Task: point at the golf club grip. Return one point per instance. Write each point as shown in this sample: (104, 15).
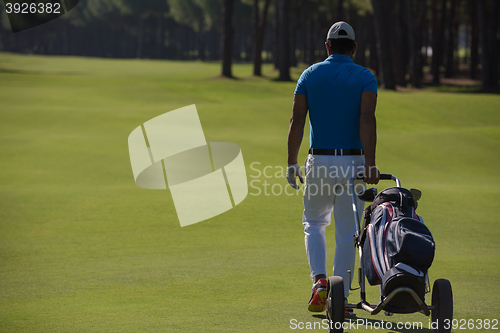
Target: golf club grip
(383, 176)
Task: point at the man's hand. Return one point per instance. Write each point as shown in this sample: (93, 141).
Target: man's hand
(292, 172)
(371, 174)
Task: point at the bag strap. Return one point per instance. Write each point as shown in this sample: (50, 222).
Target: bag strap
(403, 200)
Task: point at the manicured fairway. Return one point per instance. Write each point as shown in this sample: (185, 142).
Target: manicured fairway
(83, 249)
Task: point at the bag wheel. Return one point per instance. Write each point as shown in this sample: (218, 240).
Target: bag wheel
(442, 299)
(335, 309)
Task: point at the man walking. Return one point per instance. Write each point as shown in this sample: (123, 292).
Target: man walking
(341, 98)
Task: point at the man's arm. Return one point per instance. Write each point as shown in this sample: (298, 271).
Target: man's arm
(296, 130)
(368, 133)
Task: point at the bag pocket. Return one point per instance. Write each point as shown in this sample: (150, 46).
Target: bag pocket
(414, 244)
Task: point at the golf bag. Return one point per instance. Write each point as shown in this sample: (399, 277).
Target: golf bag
(398, 248)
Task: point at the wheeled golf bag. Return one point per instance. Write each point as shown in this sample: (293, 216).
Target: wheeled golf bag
(398, 248)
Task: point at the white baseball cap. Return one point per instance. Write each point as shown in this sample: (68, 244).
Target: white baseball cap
(340, 30)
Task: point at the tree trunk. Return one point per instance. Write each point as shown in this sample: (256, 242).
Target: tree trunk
(309, 45)
(255, 31)
(340, 11)
(494, 56)
(483, 43)
(438, 38)
(160, 41)
(373, 61)
(412, 31)
(417, 61)
(404, 44)
(276, 49)
(396, 43)
(486, 68)
(66, 33)
(383, 45)
(426, 41)
(362, 41)
(214, 50)
(201, 38)
(474, 39)
(260, 22)
(452, 32)
(227, 37)
(283, 42)
(293, 20)
(140, 36)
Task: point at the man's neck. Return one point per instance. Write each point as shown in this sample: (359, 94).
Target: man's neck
(330, 54)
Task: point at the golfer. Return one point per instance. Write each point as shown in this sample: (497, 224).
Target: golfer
(341, 98)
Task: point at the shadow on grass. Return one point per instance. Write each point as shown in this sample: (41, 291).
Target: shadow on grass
(248, 78)
(30, 72)
(461, 83)
(222, 77)
(353, 323)
(469, 89)
(277, 79)
(20, 71)
(449, 88)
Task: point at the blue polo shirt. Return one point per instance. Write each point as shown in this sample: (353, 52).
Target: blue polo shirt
(333, 89)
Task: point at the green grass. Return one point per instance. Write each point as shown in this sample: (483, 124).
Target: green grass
(83, 249)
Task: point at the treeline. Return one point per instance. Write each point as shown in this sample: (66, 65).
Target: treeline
(402, 41)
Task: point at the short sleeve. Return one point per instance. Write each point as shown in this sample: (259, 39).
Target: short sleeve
(301, 83)
(370, 82)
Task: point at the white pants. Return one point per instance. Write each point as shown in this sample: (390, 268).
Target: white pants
(327, 190)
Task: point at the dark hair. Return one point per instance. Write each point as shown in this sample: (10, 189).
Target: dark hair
(340, 46)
